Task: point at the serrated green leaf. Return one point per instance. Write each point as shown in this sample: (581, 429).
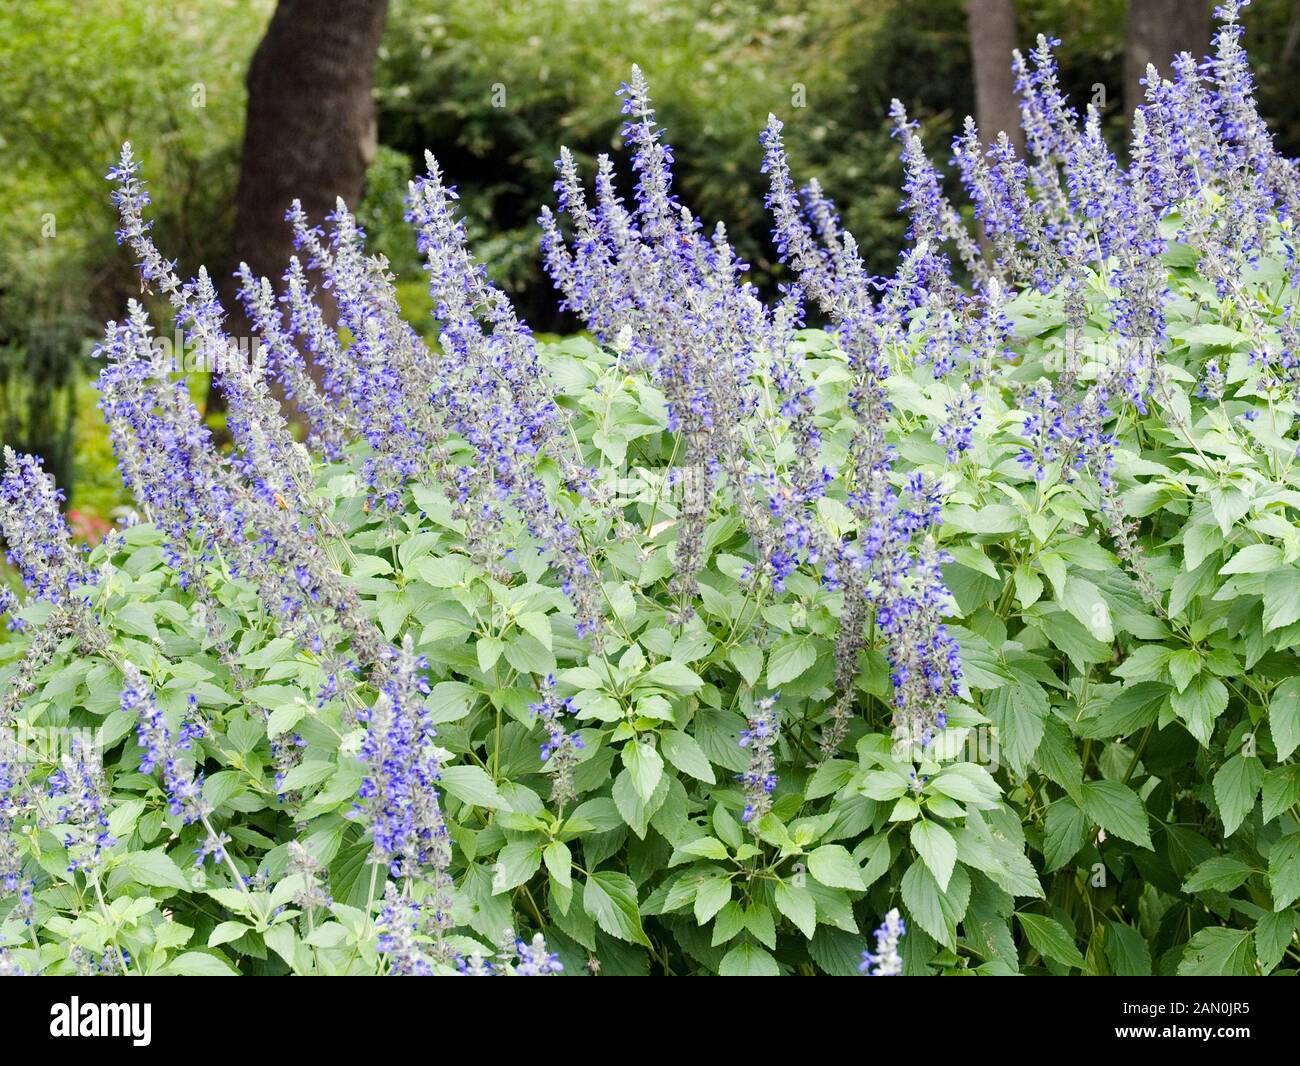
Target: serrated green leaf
(791, 657)
(1127, 951)
(937, 848)
(1281, 599)
(1284, 871)
(1219, 952)
(610, 899)
(1222, 873)
(748, 960)
(1236, 787)
(685, 753)
(935, 911)
(645, 765)
(834, 867)
(1284, 717)
(1117, 809)
(1050, 939)
(712, 895)
(199, 964)
(797, 904)
(748, 662)
(515, 865)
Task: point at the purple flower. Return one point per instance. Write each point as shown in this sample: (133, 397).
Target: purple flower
(759, 778)
(885, 961)
(560, 747)
(166, 750)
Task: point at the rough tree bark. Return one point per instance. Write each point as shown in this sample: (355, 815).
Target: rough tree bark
(310, 129)
(1157, 31)
(992, 40)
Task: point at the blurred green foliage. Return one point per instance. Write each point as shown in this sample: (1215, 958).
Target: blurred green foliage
(79, 79)
(495, 94)
(81, 76)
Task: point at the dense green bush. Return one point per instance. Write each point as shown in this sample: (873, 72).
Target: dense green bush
(978, 612)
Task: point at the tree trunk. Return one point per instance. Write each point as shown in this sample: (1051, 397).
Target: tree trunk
(310, 131)
(992, 40)
(1157, 31)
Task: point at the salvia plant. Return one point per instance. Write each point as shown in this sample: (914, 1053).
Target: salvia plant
(707, 641)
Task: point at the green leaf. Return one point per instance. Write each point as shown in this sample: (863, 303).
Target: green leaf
(199, 964)
(226, 932)
(705, 848)
(791, 657)
(797, 904)
(1236, 787)
(645, 765)
(538, 624)
(935, 911)
(528, 655)
(559, 862)
(759, 921)
(748, 960)
(1281, 599)
(285, 717)
(441, 571)
(748, 661)
(450, 701)
(1284, 871)
(1281, 789)
(471, 785)
(516, 863)
(834, 867)
(1134, 708)
(489, 650)
(829, 778)
(728, 924)
(836, 952)
(1204, 699)
(1065, 834)
(1228, 504)
(1183, 666)
(1069, 634)
(1058, 756)
(937, 848)
(1083, 600)
(610, 899)
(1219, 952)
(1284, 717)
(1222, 873)
(726, 827)
(306, 774)
(1117, 809)
(685, 753)
(967, 783)
(1029, 586)
(1050, 940)
(1213, 334)
(1019, 711)
(1254, 559)
(1273, 936)
(137, 619)
(713, 894)
(672, 675)
(635, 811)
(1127, 951)
(154, 868)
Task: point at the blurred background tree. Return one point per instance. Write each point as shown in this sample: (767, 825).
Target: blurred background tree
(79, 79)
(1157, 31)
(310, 132)
(493, 90)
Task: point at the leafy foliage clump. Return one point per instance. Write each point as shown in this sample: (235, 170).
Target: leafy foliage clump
(706, 643)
